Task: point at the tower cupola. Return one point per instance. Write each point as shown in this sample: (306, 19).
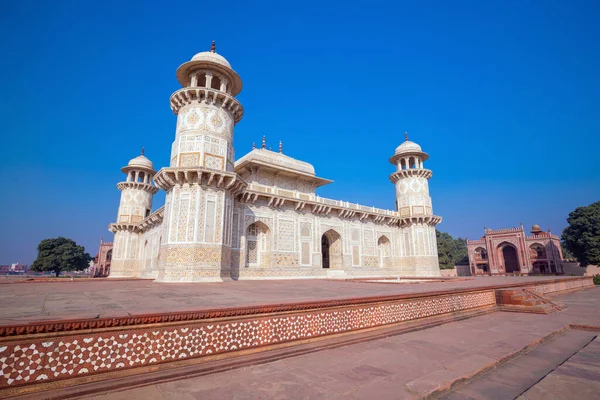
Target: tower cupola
(411, 180)
(210, 70)
(137, 190)
(408, 155)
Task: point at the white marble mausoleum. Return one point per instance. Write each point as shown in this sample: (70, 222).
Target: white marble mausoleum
(259, 217)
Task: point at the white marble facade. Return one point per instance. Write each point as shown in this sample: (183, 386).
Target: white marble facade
(259, 217)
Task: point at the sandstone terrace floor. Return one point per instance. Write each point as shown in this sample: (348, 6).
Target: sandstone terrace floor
(28, 302)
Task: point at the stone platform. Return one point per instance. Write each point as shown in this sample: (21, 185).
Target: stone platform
(494, 356)
(55, 335)
(24, 302)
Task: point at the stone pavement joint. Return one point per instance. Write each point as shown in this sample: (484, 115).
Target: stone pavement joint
(513, 377)
(577, 378)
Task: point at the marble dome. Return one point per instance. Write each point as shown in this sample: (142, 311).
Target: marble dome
(408, 147)
(211, 57)
(141, 161)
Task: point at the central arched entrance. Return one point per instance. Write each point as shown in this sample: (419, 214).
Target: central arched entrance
(331, 250)
(511, 259)
(325, 251)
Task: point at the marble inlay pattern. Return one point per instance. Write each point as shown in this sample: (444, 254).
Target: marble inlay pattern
(26, 360)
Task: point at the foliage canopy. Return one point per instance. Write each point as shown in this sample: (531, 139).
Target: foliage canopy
(451, 251)
(60, 254)
(582, 236)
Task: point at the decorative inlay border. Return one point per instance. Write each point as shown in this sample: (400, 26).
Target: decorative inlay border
(28, 360)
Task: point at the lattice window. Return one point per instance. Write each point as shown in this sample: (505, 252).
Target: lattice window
(286, 235)
(227, 233)
(305, 254)
(305, 229)
(131, 249)
(209, 221)
(420, 242)
(355, 255)
(369, 241)
(119, 247)
(235, 233)
(184, 206)
(174, 218)
(252, 252)
(191, 223)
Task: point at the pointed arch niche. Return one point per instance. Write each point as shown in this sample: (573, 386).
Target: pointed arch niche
(384, 251)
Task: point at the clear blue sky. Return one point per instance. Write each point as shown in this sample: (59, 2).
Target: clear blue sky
(504, 96)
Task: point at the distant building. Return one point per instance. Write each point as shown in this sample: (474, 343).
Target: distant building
(13, 269)
(18, 268)
(511, 251)
(101, 263)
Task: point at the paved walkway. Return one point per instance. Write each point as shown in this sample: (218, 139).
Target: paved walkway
(578, 378)
(407, 366)
(519, 375)
(26, 302)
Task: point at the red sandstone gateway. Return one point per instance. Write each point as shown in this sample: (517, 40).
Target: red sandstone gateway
(510, 251)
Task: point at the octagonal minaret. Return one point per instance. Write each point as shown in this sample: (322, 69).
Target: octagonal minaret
(136, 204)
(413, 204)
(200, 182)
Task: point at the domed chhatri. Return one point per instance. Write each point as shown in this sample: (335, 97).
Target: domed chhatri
(140, 162)
(211, 57)
(208, 63)
(406, 149)
(536, 229)
(411, 180)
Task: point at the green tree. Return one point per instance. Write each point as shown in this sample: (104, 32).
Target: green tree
(451, 251)
(60, 254)
(582, 236)
(565, 252)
